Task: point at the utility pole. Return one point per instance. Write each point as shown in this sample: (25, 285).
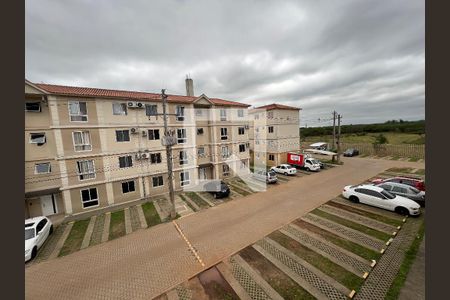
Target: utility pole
(168, 141)
(334, 129)
(339, 139)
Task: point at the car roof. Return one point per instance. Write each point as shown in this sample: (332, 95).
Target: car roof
(397, 184)
(370, 187)
(33, 221)
(287, 165)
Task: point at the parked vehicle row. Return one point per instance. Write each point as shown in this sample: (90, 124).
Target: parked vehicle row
(411, 181)
(37, 230)
(304, 161)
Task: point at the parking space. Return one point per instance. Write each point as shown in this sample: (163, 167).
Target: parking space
(340, 250)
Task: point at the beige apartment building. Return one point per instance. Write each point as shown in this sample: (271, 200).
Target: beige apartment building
(274, 131)
(88, 148)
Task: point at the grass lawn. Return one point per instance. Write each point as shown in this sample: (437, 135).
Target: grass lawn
(392, 137)
(414, 159)
(150, 213)
(400, 170)
(330, 268)
(283, 284)
(364, 213)
(367, 230)
(117, 225)
(364, 252)
(420, 172)
(408, 260)
(184, 198)
(239, 191)
(75, 238)
(196, 198)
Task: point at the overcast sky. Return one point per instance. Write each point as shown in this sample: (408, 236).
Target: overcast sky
(364, 59)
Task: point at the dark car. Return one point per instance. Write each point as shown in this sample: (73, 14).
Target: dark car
(351, 152)
(411, 181)
(405, 191)
(218, 189)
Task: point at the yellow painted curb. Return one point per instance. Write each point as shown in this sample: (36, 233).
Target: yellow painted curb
(365, 275)
(404, 220)
(382, 251)
(394, 233)
(352, 294)
(374, 262)
(398, 227)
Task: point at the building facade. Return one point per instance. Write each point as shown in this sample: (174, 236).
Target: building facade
(88, 149)
(274, 131)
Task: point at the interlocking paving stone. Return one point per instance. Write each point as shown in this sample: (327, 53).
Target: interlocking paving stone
(105, 233)
(97, 232)
(183, 292)
(88, 234)
(135, 220)
(334, 253)
(380, 279)
(311, 275)
(368, 208)
(172, 295)
(359, 219)
(246, 281)
(224, 269)
(61, 241)
(345, 232)
(254, 274)
(127, 214)
(49, 246)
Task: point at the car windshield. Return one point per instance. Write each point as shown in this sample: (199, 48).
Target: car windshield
(314, 161)
(387, 194)
(271, 173)
(29, 233)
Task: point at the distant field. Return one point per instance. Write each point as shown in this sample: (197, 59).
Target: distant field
(393, 138)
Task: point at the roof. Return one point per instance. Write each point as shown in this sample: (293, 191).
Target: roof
(128, 95)
(277, 106)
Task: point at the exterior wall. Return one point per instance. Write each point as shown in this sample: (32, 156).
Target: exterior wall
(75, 195)
(120, 197)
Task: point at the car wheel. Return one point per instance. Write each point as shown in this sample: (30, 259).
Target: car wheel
(33, 252)
(51, 229)
(215, 196)
(354, 199)
(308, 169)
(401, 210)
(285, 173)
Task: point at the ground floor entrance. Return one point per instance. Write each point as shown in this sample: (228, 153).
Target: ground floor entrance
(48, 204)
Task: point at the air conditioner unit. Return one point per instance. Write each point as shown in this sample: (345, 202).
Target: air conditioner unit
(247, 127)
(144, 133)
(139, 105)
(133, 130)
(137, 156)
(145, 155)
(132, 104)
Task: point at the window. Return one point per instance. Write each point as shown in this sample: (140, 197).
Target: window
(122, 135)
(42, 168)
(386, 187)
(33, 107)
(158, 181)
(241, 130)
(223, 134)
(199, 131)
(125, 161)
(271, 157)
(256, 142)
(225, 170)
(240, 113)
(242, 148)
(225, 152)
(81, 141)
(183, 157)
(153, 134)
(199, 112)
(223, 114)
(155, 158)
(398, 189)
(184, 178)
(180, 113)
(151, 109)
(119, 109)
(270, 115)
(86, 169)
(201, 151)
(41, 225)
(181, 134)
(89, 197)
(128, 187)
(37, 138)
(270, 129)
(78, 111)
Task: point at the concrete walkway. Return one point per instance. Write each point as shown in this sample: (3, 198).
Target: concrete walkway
(149, 262)
(414, 287)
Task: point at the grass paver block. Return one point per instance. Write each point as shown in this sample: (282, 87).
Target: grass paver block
(117, 225)
(150, 213)
(75, 238)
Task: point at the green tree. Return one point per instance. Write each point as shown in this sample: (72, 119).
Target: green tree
(380, 139)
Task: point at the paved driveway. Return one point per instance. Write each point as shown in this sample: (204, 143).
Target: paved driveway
(146, 263)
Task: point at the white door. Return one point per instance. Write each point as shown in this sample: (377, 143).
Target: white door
(48, 205)
(202, 173)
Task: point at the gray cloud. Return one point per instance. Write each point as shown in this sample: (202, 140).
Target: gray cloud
(362, 58)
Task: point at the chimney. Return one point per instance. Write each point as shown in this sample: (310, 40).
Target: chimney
(189, 86)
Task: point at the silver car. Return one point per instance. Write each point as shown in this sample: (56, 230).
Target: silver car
(405, 191)
(267, 176)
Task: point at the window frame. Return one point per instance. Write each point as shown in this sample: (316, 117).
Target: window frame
(239, 130)
(79, 174)
(272, 156)
(78, 115)
(158, 177)
(153, 134)
(46, 163)
(185, 182)
(223, 137)
(183, 159)
(200, 131)
(180, 113)
(82, 137)
(203, 152)
(225, 170)
(122, 134)
(240, 113)
(33, 102)
(38, 133)
(122, 105)
(155, 155)
(223, 152)
(241, 151)
(90, 200)
(147, 106)
(223, 117)
(128, 186)
(125, 157)
(270, 129)
(182, 140)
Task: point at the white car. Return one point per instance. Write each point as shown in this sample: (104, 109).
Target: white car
(37, 231)
(377, 196)
(284, 169)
